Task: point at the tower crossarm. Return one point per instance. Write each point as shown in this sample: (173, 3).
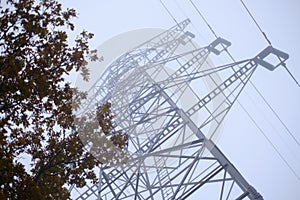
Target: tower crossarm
(164, 37)
(146, 57)
(186, 72)
(193, 65)
(241, 76)
(166, 40)
(233, 85)
(153, 50)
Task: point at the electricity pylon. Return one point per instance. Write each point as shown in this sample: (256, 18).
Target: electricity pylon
(172, 150)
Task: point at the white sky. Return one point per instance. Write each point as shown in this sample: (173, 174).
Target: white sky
(241, 141)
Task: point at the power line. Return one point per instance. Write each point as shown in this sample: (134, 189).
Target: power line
(256, 89)
(263, 33)
(193, 25)
(168, 11)
(270, 142)
(260, 94)
(203, 18)
(267, 39)
(284, 65)
(277, 116)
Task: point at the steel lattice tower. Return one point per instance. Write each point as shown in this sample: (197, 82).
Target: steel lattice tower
(172, 150)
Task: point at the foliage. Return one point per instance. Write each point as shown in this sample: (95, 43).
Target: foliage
(105, 119)
(100, 136)
(36, 103)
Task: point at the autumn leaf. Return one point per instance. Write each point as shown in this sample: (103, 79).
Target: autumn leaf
(37, 105)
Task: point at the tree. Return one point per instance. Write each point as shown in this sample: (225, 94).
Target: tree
(36, 103)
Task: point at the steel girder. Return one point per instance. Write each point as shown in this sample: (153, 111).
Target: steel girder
(171, 155)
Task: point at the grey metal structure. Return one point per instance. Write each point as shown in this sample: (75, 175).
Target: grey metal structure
(173, 155)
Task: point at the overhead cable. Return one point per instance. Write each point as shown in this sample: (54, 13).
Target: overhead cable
(262, 32)
(255, 88)
(165, 7)
(260, 94)
(267, 39)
